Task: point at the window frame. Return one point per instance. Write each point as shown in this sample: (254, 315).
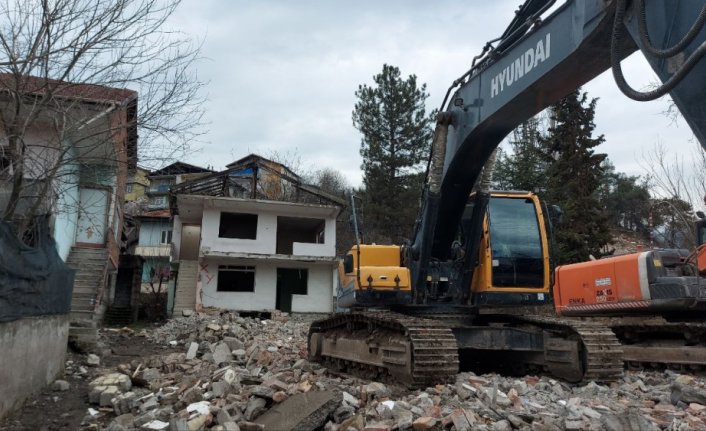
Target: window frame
(244, 269)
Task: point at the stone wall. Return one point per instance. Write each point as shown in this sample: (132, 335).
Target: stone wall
(32, 355)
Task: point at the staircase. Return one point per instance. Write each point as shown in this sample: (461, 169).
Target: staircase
(89, 264)
(185, 295)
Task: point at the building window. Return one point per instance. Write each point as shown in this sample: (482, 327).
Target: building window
(128, 188)
(236, 278)
(298, 229)
(166, 236)
(159, 201)
(237, 225)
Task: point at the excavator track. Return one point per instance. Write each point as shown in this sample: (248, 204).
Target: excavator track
(655, 342)
(388, 346)
(602, 355)
(420, 352)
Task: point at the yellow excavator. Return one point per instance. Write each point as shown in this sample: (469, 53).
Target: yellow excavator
(474, 285)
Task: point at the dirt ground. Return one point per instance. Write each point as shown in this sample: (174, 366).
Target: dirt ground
(64, 411)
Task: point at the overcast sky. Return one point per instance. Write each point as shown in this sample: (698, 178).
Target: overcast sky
(282, 75)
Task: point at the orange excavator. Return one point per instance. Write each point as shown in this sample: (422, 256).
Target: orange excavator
(474, 284)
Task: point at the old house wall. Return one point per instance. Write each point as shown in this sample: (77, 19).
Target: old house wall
(266, 237)
(33, 351)
(318, 298)
(265, 242)
(66, 215)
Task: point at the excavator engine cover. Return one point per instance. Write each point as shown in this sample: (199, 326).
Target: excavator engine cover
(639, 283)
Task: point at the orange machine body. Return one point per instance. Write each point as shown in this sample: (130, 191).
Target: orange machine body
(603, 284)
(701, 259)
(654, 281)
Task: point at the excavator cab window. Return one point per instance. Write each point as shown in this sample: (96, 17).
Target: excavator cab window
(516, 243)
(348, 264)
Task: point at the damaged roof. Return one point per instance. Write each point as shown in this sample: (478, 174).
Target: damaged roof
(257, 178)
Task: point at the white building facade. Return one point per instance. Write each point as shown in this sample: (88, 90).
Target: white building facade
(254, 255)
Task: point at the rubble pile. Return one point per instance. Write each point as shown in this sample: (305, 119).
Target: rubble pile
(237, 373)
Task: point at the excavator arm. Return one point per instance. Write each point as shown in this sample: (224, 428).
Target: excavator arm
(450, 297)
(535, 63)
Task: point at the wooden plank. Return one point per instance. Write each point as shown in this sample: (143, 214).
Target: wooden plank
(665, 354)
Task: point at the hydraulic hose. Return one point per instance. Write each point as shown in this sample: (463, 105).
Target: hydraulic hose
(668, 52)
(618, 27)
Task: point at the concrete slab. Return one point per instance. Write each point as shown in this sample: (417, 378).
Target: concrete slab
(301, 412)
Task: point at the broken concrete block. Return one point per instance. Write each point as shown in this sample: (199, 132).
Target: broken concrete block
(344, 412)
(155, 425)
(377, 390)
(230, 377)
(93, 360)
(149, 404)
(275, 384)
(123, 404)
(231, 426)
(279, 396)
(223, 416)
(304, 386)
(262, 392)
(127, 420)
(192, 395)
(106, 397)
(201, 407)
(150, 374)
(113, 379)
(255, 407)
(221, 354)
(301, 412)
(350, 399)
(424, 423)
(60, 385)
(193, 349)
(233, 343)
(178, 423)
(94, 396)
(251, 426)
(219, 389)
(197, 423)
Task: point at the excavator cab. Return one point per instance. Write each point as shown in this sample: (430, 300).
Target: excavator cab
(513, 265)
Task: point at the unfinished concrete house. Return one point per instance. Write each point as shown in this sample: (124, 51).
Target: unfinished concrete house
(253, 237)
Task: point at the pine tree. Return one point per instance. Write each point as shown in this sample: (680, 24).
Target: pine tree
(397, 132)
(574, 176)
(524, 167)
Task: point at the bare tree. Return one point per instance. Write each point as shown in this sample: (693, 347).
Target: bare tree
(62, 63)
(677, 178)
(331, 181)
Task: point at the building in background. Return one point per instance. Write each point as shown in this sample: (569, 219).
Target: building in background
(137, 185)
(254, 237)
(154, 246)
(162, 179)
